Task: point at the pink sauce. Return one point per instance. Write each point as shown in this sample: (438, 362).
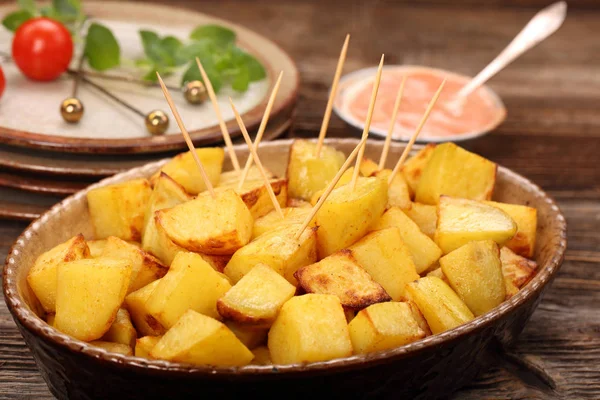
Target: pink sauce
(479, 111)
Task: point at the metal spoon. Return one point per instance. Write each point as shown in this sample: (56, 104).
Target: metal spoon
(542, 25)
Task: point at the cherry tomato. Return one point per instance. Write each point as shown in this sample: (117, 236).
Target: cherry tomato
(42, 48)
(2, 82)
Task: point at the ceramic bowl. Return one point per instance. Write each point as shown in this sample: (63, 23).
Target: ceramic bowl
(427, 369)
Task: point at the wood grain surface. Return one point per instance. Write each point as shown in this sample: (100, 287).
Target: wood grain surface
(551, 135)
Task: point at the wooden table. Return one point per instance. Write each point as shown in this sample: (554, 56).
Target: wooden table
(551, 135)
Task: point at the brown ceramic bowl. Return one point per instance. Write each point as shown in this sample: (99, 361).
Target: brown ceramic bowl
(430, 368)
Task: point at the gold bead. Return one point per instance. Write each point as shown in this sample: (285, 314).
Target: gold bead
(195, 92)
(157, 122)
(71, 109)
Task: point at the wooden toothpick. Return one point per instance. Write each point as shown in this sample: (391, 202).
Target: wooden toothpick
(365, 133)
(412, 140)
(332, 94)
(258, 162)
(388, 138)
(186, 136)
(330, 187)
(261, 130)
(224, 131)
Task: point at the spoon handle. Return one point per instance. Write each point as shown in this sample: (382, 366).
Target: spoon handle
(542, 25)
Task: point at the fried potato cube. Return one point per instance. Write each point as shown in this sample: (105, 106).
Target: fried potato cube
(191, 283)
(517, 270)
(113, 347)
(384, 326)
(340, 274)
(398, 190)
(439, 304)
(423, 250)
(121, 330)
(344, 179)
(347, 215)
(50, 319)
(387, 259)
(298, 203)
(414, 166)
(183, 169)
(256, 298)
(166, 194)
(461, 221)
(438, 273)
(250, 336)
(96, 247)
(218, 225)
(42, 276)
(201, 340)
(456, 172)
(262, 356)
(136, 304)
(368, 167)
(145, 267)
(474, 271)
(118, 209)
(272, 220)
(523, 243)
(307, 174)
(310, 328)
(233, 176)
(255, 195)
(89, 293)
(158, 243)
(418, 316)
(279, 249)
(144, 345)
(425, 216)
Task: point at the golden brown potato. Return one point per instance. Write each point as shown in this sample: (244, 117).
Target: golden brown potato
(438, 273)
(89, 293)
(233, 176)
(218, 225)
(250, 336)
(461, 221)
(310, 328)
(344, 179)
(340, 274)
(398, 190)
(121, 330)
(387, 259)
(347, 214)
(439, 304)
(272, 221)
(456, 172)
(201, 340)
(118, 209)
(425, 216)
(368, 167)
(299, 203)
(474, 271)
(257, 297)
(307, 174)
(144, 345)
(166, 194)
(42, 276)
(414, 166)
(523, 243)
(422, 249)
(418, 316)
(50, 319)
(96, 247)
(183, 169)
(279, 249)
(145, 267)
(384, 326)
(255, 195)
(113, 347)
(136, 304)
(190, 284)
(158, 243)
(261, 356)
(517, 270)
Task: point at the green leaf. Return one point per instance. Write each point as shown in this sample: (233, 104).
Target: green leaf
(13, 20)
(101, 48)
(67, 7)
(201, 49)
(171, 45)
(156, 50)
(241, 80)
(216, 33)
(193, 74)
(256, 71)
(27, 5)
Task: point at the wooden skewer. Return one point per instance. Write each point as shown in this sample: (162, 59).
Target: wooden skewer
(224, 131)
(186, 136)
(367, 127)
(388, 138)
(330, 187)
(261, 130)
(332, 94)
(258, 162)
(412, 140)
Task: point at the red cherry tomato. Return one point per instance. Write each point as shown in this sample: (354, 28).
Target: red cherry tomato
(42, 49)
(2, 82)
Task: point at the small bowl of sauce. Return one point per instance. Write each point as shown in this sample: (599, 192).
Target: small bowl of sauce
(480, 113)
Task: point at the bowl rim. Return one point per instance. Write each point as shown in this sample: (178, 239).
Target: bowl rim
(30, 321)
